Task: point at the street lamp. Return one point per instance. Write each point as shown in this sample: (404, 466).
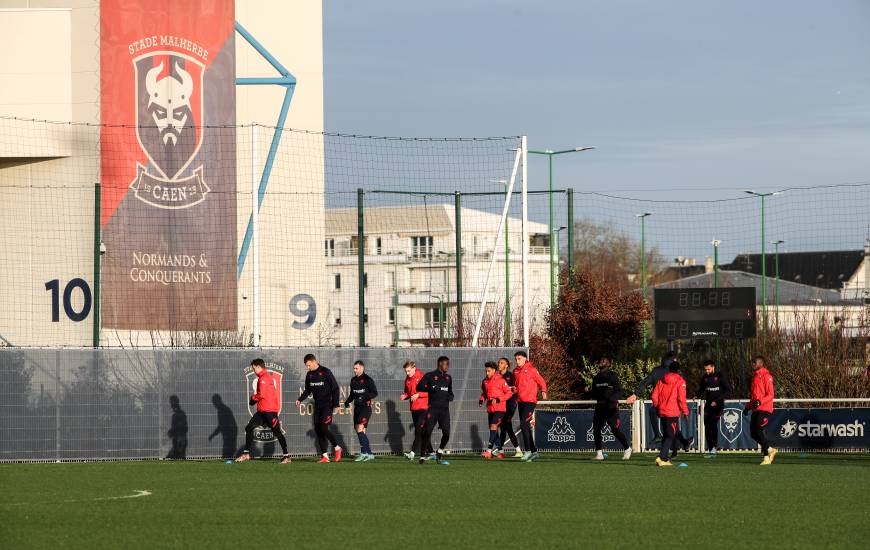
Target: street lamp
(507, 272)
(776, 244)
(715, 243)
(763, 255)
(550, 154)
(643, 218)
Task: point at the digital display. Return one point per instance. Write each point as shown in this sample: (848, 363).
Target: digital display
(691, 313)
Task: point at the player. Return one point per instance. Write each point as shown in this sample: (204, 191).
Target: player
(507, 428)
(268, 401)
(650, 381)
(606, 390)
(321, 384)
(527, 380)
(495, 392)
(761, 406)
(439, 385)
(362, 391)
(714, 390)
(419, 401)
(669, 398)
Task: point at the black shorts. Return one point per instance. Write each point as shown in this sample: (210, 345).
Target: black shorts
(714, 412)
(419, 418)
(322, 415)
(361, 414)
(495, 417)
(439, 417)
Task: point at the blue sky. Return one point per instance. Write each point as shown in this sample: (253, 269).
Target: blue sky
(684, 99)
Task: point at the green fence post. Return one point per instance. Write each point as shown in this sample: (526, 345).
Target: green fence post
(361, 267)
(96, 309)
(457, 205)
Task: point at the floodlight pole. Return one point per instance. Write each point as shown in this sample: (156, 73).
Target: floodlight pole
(716, 243)
(643, 218)
(360, 254)
(776, 244)
(570, 224)
(550, 154)
(763, 257)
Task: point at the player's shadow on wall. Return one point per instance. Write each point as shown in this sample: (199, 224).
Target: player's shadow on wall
(476, 441)
(395, 429)
(227, 428)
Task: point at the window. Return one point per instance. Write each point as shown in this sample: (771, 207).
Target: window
(329, 248)
(337, 282)
(378, 243)
(366, 316)
(421, 247)
(336, 317)
(433, 317)
(391, 316)
(354, 244)
(390, 280)
(365, 280)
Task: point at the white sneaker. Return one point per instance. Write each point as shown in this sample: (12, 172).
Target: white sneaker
(410, 455)
(626, 454)
(518, 454)
(598, 455)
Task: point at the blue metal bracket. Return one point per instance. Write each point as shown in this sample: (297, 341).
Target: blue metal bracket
(289, 83)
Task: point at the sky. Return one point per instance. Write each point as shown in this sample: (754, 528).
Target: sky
(684, 100)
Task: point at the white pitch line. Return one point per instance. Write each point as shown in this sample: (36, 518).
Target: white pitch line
(137, 493)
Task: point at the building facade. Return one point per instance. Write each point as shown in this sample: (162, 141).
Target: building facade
(410, 283)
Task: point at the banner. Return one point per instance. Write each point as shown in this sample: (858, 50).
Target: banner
(802, 429)
(571, 430)
(168, 162)
(689, 430)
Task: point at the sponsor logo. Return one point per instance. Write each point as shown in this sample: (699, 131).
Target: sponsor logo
(169, 129)
(788, 429)
(813, 429)
(730, 424)
(606, 434)
(264, 433)
(561, 431)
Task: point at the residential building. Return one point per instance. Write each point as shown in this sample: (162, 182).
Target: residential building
(410, 273)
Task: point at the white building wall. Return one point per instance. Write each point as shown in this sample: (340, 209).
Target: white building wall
(50, 70)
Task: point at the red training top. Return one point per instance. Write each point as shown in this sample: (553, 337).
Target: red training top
(422, 402)
(496, 392)
(527, 379)
(762, 390)
(669, 396)
(267, 397)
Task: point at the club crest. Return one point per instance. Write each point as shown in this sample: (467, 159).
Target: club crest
(730, 424)
(169, 129)
(261, 433)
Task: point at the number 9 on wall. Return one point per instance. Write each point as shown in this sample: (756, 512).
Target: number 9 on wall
(303, 307)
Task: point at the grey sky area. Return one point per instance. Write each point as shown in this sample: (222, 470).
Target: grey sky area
(685, 100)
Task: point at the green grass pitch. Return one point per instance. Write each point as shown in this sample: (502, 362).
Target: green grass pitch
(561, 501)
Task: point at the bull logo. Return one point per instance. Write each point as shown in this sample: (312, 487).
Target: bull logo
(731, 425)
(169, 129)
(261, 433)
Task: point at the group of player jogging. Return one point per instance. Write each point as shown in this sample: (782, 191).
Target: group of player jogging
(504, 393)
(669, 404)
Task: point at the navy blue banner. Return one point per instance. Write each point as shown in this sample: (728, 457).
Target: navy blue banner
(804, 429)
(571, 430)
(689, 430)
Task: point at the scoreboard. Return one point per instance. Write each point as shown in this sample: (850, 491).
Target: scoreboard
(688, 313)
